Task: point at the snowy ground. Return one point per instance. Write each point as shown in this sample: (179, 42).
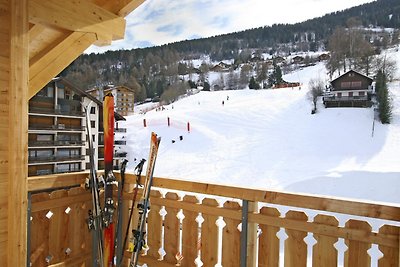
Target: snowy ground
(268, 139)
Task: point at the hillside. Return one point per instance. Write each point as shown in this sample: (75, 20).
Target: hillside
(149, 71)
(268, 139)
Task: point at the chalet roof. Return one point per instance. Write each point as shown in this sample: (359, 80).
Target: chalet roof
(353, 71)
(81, 92)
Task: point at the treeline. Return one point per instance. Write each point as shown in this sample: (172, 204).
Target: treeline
(150, 71)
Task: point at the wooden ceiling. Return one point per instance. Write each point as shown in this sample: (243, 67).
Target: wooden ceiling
(60, 31)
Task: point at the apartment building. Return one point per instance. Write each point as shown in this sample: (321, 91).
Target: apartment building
(123, 97)
(57, 130)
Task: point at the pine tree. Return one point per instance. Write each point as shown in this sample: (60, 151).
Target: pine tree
(384, 104)
(253, 84)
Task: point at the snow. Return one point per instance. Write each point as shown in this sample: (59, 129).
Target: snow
(268, 139)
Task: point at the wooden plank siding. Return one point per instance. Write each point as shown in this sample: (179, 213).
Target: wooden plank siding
(18, 131)
(4, 120)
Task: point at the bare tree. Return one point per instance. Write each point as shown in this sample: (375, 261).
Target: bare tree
(387, 65)
(316, 87)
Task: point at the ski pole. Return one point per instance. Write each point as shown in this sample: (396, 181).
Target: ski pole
(138, 169)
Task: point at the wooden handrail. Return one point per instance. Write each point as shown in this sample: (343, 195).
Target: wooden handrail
(386, 211)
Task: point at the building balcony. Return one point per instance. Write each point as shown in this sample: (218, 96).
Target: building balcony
(55, 143)
(307, 225)
(119, 142)
(347, 101)
(120, 154)
(120, 130)
(55, 111)
(58, 127)
(344, 98)
(50, 171)
(54, 158)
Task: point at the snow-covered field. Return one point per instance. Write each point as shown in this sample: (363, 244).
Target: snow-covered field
(268, 139)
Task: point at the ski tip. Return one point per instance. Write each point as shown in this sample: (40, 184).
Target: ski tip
(155, 139)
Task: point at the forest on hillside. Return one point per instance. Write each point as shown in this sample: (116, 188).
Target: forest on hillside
(151, 71)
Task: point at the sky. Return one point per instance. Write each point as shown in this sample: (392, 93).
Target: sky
(158, 22)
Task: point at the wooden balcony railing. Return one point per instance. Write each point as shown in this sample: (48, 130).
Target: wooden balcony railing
(200, 222)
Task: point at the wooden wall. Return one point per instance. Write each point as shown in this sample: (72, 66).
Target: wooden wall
(4, 86)
(30, 55)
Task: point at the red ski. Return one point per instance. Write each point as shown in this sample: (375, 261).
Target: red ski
(109, 179)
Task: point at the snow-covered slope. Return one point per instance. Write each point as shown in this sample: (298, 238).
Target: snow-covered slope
(268, 139)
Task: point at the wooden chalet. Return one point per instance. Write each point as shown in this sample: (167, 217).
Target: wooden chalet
(324, 57)
(220, 67)
(297, 59)
(43, 218)
(352, 89)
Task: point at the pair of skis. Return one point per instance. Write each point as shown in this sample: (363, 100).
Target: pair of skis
(142, 207)
(98, 219)
(102, 219)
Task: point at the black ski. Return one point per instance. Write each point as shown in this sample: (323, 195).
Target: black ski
(118, 235)
(144, 203)
(95, 220)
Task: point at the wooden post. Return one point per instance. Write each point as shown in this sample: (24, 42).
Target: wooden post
(18, 132)
(252, 237)
(144, 123)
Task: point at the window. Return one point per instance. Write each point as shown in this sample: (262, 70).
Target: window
(356, 84)
(339, 95)
(361, 93)
(44, 137)
(60, 93)
(93, 124)
(93, 110)
(345, 84)
(67, 94)
(350, 94)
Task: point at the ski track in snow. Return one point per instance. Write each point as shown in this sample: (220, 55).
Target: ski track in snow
(268, 139)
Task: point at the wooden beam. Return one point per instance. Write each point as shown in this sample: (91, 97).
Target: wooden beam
(18, 131)
(43, 69)
(387, 211)
(121, 7)
(79, 16)
(38, 183)
(35, 30)
(129, 7)
(332, 204)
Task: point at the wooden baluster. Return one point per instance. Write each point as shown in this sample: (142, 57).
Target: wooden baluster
(295, 247)
(252, 233)
(324, 252)
(189, 234)
(390, 255)
(268, 255)
(154, 227)
(231, 238)
(209, 235)
(58, 233)
(171, 231)
(126, 208)
(39, 232)
(76, 219)
(86, 235)
(357, 252)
